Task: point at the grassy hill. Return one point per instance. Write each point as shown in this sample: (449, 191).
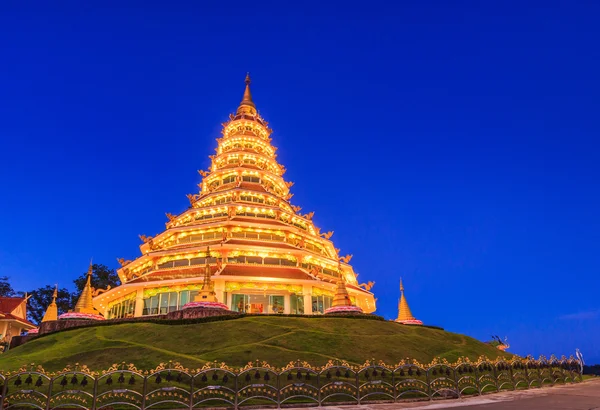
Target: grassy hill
(278, 340)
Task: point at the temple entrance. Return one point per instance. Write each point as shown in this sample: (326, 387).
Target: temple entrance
(257, 304)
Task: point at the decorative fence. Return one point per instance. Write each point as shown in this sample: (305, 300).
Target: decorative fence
(171, 386)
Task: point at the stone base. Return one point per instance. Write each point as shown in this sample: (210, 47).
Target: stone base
(194, 312)
(409, 322)
(80, 316)
(206, 305)
(344, 310)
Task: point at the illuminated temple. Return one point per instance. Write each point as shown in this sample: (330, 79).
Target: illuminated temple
(265, 256)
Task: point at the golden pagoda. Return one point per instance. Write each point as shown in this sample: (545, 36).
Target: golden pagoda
(206, 297)
(84, 308)
(341, 301)
(404, 314)
(265, 255)
(52, 310)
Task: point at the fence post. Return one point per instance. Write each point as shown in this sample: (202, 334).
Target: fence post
(95, 393)
(50, 385)
(456, 381)
(191, 391)
(4, 389)
(395, 390)
(358, 387)
(477, 381)
(429, 393)
(235, 387)
(144, 391)
(319, 388)
(278, 390)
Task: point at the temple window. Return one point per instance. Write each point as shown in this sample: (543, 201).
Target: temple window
(251, 178)
(162, 303)
(321, 303)
(258, 304)
(123, 309)
(252, 198)
(210, 216)
(224, 200)
(296, 304)
(229, 179)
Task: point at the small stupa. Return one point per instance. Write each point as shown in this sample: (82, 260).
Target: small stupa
(84, 308)
(52, 310)
(341, 301)
(404, 314)
(207, 297)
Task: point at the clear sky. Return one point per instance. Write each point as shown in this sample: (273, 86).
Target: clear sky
(455, 146)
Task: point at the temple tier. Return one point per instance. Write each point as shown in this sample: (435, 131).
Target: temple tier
(264, 257)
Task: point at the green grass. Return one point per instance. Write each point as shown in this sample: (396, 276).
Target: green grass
(278, 340)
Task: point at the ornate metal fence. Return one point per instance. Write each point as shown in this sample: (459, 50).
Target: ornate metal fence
(171, 386)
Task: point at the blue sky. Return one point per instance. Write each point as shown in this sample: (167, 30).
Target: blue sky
(453, 145)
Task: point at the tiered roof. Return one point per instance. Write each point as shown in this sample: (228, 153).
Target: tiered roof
(243, 212)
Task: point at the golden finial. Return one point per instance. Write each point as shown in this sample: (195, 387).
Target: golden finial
(247, 105)
(401, 286)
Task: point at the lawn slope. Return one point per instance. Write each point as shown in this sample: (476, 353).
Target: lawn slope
(278, 340)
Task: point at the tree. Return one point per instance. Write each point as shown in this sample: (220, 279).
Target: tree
(102, 278)
(41, 298)
(5, 287)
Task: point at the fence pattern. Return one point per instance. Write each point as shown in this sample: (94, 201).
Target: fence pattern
(171, 386)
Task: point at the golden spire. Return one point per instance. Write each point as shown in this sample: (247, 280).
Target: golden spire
(247, 105)
(52, 310)
(341, 298)
(207, 292)
(403, 309)
(85, 304)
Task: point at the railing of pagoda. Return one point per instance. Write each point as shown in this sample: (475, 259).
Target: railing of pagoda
(171, 386)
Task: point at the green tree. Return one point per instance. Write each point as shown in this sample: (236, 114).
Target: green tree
(5, 287)
(41, 298)
(102, 278)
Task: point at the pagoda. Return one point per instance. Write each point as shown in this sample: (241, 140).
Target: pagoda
(265, 256)
(342, 302)
(84, 308)
(404, 314)
(51, 313)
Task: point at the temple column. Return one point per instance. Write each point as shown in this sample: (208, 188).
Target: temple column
(139, 303)
(229, 300)
(219, 289)
(306, 291)
(287, 304)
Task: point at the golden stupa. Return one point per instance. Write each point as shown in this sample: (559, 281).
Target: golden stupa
(342, 302)
(265, 255)
(84, 308)
(52, 310)
(404, 314)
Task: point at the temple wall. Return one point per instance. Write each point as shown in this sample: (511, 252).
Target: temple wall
(19, 340)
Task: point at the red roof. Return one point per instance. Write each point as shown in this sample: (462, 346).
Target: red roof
(7, 305)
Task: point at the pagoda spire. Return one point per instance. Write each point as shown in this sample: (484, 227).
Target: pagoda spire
(404, 314)
(341, 301)
(247, 106)
(207, 292)
(84, 303)
(52, 310)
